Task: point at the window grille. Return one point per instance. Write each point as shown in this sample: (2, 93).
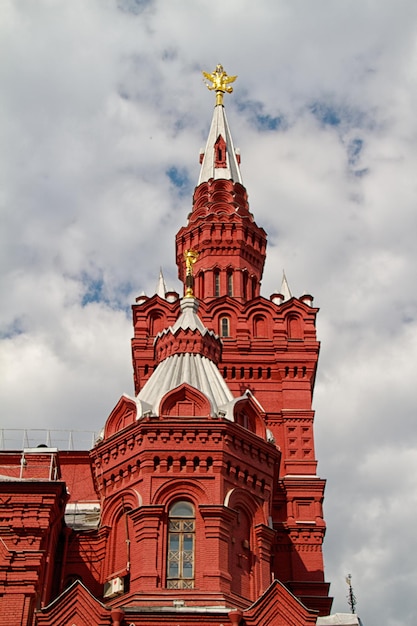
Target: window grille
(181, 546)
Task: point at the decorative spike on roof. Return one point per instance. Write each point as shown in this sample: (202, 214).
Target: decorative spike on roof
(285, 289)
(220, 82)
(220, 159)
(161, 287)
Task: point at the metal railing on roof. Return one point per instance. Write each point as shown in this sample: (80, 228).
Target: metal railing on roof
(20, 438)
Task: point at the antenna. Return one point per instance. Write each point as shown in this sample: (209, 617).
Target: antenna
(351, 596)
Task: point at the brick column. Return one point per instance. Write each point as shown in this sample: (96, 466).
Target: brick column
(215, 552)
(264, 537)
(147, 528)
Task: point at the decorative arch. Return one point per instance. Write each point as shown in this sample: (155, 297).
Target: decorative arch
(179, 489)
(123, 415)
(295, 327)
(156, 323)
(243, 550)
(247, 413)
(131, 498)
(117, 518)
(220, 151)
(260, 326)
(185, 401)
(242, 499)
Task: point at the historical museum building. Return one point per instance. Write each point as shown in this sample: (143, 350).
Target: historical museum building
(200, 501)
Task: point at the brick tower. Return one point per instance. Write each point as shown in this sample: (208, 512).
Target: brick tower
(205, 480)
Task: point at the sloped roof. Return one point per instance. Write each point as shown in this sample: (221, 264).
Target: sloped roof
(219, 127)
(195, 369)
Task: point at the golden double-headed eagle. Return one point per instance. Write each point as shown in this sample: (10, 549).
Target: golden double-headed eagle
(219, 82)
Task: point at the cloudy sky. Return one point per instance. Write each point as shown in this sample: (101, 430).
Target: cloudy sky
(102, 115)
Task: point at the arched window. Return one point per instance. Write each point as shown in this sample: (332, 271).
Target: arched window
(157, 323)
(295, 330)
(201, 282)
(254, 286)
(181, 546)
(259, 326)
(224, 327)
(217, 283)
(245, 285)
(230, 283)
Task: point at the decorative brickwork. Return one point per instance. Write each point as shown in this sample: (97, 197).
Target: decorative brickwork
(199, 502)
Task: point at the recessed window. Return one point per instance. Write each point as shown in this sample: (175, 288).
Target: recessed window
(224, 327)
(217, 284)
(230, 284)
(181, 546)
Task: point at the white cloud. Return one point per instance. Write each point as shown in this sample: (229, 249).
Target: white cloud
(100, 100)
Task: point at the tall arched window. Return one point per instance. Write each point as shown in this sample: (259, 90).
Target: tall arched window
(230, 283)
(259, 326)
(217, 283)
(181, 546)
(245, 285)
(254, 286)
(224, 327)
(201, 282)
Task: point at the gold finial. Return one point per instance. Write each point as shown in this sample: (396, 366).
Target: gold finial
(190, 257)
(219, 82)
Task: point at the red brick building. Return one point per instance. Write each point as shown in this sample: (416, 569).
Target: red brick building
(200, 502)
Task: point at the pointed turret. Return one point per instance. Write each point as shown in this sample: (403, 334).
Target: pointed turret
(220, 159)
(221, 228)
(285, 289)
(187, 353)
(161, 288)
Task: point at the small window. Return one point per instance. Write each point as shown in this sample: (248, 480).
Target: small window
(217, 284)
(254, 287)
(201, 281)
(224, 327)
(245, 285)
(230, 284)
(181, 546)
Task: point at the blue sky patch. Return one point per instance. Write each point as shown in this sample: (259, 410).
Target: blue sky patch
(326, 114)
(258, 117)
(12, 330)
(354, 149)
(179, 178)
(94, 291)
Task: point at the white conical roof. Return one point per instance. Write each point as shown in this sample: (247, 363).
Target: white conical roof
(285, 289)
(196, 370)
(219, 126)
(161, 287)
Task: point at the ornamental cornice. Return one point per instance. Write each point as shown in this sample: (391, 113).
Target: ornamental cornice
(188, 341)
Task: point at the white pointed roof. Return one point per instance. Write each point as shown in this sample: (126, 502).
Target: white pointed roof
(285, 289)
(187, 319)
(219, 126)
(161, 287)
(196, 370)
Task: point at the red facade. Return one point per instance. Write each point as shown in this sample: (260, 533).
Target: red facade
(200, 503)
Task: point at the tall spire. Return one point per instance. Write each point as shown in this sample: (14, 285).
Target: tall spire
(231, 247)
(285, 288)
(161, 287)
(220, 159)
